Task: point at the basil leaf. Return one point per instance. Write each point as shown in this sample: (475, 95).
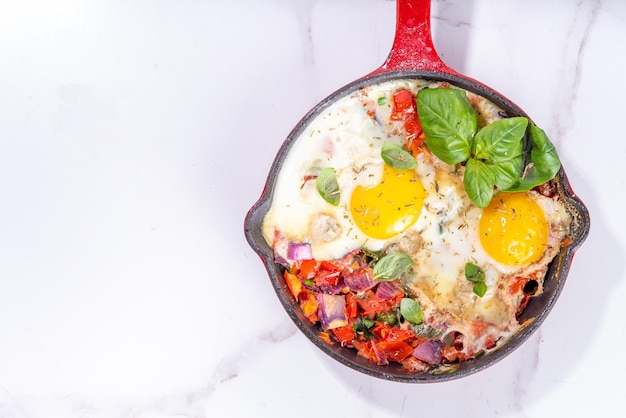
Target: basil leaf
(544, 163)
(327, 186)
(479, 180)
(543, 153)
(411, 310)
(391, 266)
(448, 121)
(397, 158)
(500, 140)
(480, 289)
(473, 273)
(508, 172)
(387, 318)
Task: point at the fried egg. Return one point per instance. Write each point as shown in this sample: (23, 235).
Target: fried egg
(424, 212)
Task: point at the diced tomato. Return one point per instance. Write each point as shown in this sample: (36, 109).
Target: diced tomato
(405, 109)
(371, 305)
(344, 334)
(399, 334)
(294, 284)
(415, 137)
(308, 269)
(395, 350)
(329, 266)
(517, 285)
(352, 307)
(327, 278)
(381, 330)
(403, 105)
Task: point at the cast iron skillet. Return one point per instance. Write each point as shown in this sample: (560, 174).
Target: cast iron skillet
(413, 56)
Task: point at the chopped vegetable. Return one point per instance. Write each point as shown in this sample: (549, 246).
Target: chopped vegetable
(359, 280)
(332, 312)
(294, 284)
(299, 251)
(429, 352)
(405, 109)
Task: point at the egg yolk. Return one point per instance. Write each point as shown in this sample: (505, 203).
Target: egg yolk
(391, 206)
(513, 229)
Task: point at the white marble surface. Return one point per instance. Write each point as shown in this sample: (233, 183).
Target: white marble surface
(134, 137)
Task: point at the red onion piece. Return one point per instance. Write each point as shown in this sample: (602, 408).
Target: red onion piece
(429, 352)
(299, 251)
(282, 261)
(332, 310)
(359, 280)
(386, 290)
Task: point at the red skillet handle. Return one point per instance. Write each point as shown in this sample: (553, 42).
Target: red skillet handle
(413, 47)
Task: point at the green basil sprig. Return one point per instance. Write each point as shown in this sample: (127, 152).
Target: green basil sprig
(476, 275)
(396, 157)
(544, 162)
(448, 121)
(411, 310)
(494, 155)
(327, 186)
(391, 266)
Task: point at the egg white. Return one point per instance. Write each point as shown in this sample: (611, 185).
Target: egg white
(348, 140)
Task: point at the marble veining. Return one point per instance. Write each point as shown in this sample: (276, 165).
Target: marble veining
(581, 29)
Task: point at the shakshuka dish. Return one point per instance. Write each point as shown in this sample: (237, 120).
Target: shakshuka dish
(414, 220)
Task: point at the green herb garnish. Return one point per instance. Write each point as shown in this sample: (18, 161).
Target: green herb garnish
(494, 155)
(473, 273)
(476, 275)
(397, 158)
(327, 186)
(423, 330)
(391, 266)
(449, 122)
(388, 318)
(364, 327)
(480, 289)
(544, 162)
(411, 310)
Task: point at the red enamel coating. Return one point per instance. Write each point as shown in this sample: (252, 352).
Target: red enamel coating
(413, 47)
